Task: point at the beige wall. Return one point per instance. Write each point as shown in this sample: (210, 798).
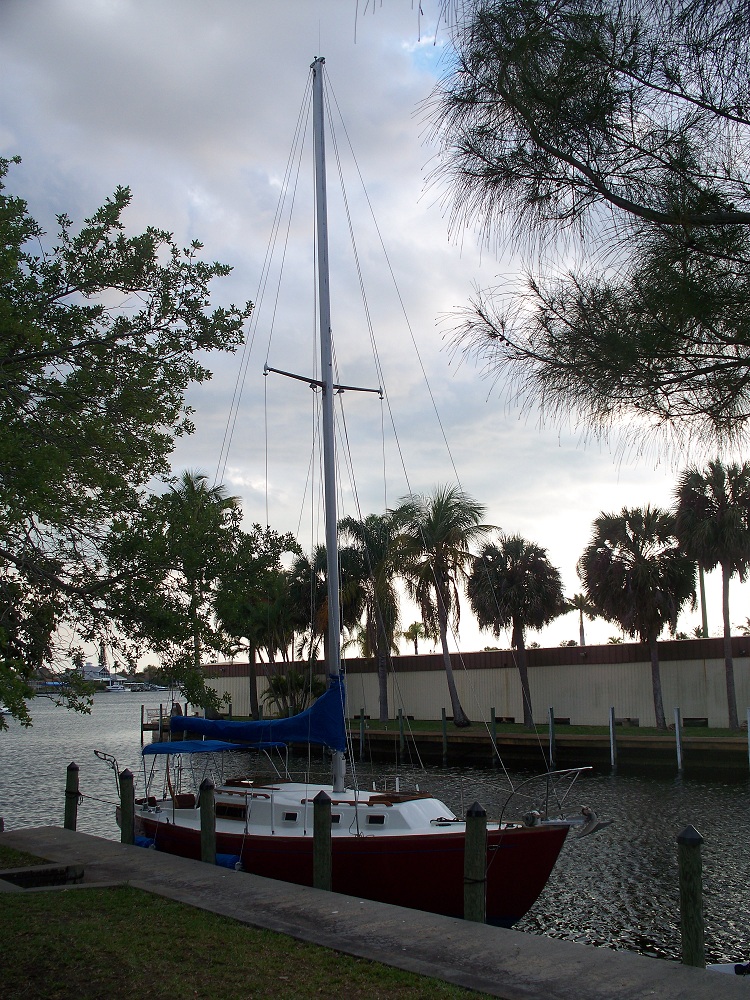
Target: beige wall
(580, 691)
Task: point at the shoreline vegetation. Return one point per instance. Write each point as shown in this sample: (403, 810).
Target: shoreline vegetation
(82, 942)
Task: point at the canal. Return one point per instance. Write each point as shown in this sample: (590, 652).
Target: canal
(616, 889)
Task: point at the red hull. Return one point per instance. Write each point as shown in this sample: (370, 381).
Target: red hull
(424, 873)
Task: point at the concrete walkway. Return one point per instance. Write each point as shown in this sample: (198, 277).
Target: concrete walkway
(500, 962)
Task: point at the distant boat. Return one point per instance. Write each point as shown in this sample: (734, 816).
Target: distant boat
(115, 687)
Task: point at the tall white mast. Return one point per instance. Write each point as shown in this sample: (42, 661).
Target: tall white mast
(327, 381)
(326, 372)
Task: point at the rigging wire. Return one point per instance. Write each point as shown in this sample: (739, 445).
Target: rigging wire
(417, 352)
(249, 343)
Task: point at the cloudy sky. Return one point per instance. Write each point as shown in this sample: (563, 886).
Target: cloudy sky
(194, 106)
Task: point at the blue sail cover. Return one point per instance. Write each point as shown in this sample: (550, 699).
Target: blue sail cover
(322, 723)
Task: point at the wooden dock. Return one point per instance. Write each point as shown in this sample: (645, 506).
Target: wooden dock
(648, 752)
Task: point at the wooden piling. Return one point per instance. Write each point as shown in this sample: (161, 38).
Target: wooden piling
(445, 737)
(361, 734)
(208, 821)
(127, 807)
(143, 708)
(475, 864)
(493, 733)
(401, 742)
(322, 862)
(689, 844)
(72, 796)
(678, 737)
(612, 738)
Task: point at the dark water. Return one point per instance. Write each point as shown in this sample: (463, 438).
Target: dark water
(616, 889)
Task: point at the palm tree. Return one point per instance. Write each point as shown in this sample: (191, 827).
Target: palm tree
(635, 574)
(513, 583)
(252, 600)
(375, 540)
(308, 589)
(201, 522)
(292, 692)
(309, 595)
(581, 604)
(713, 527)
(414, 633)
(435, 546)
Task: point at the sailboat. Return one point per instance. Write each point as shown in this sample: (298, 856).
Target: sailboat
(393, 846)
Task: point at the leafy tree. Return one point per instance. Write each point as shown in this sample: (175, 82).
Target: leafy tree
(252, 601)
(713, 526)
(581, 604)
(514, 584)
(626, 125)
(375, 538)
(635, 573)
(435, 545)
(98, 342)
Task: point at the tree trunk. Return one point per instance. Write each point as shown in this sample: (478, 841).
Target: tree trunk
(460, 718)
(383, 685)
(728, 661)
(702, 588)
(518, 643)
(381, 654)
(581, 634)
(253, 680)
(196, 630)
(661, 722)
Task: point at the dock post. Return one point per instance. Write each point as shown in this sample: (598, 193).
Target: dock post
(493, 734)
(689, 844)
(678, 737)
(161, 716)
(142, 710)
(72, 795)
(208, 821)
(401, 743)
(322, 841)
(361, 734)
(612, 738)
(445, 737)
(748, 736)
(127, 807)
(475, 864)
(552, 751)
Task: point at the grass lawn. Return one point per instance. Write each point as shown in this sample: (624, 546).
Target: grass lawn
(122, 943)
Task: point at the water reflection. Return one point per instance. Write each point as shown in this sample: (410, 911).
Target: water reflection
(617, 889)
